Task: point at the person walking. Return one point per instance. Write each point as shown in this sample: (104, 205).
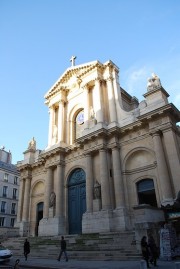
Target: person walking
(63, 249)
(26, 248)
(145, 250)
(153, 250)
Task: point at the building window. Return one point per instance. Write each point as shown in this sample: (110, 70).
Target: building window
(1, 221)
(13, 208)
(79, 124)
(6, 177)
(15, 180)
(14, 193)
(3, 207)
(146, 192)
(5, 191)
(12, 222)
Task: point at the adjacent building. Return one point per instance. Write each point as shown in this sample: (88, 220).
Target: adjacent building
(111, 162)
(9, 190)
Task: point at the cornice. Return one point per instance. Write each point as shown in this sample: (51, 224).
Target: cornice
(23, 167)
(140, 169)
(166, 109)
(52, 152)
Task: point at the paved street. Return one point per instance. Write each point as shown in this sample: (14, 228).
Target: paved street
(74, 264)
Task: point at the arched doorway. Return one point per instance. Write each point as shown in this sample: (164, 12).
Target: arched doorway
(39, 215)
(76, 200)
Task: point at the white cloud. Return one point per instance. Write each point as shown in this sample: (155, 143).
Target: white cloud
(135, 80)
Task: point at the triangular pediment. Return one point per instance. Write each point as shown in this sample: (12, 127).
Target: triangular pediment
(72, 75)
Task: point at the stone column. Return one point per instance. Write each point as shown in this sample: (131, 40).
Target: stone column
(118, 178)
(89, 184)
(26, 199)
(21, 200)
(61, 121)
(99, 106)
(50, 126)
(60, 190)
(104, 176)
(173, 156)
(166, 190)
(86, 106)
(48, 187)
(111, 98)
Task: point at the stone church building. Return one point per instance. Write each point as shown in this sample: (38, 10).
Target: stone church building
(111, 162)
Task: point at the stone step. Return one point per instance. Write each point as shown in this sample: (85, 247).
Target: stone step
(114, 246)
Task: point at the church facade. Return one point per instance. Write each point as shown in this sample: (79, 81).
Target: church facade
(111, 162)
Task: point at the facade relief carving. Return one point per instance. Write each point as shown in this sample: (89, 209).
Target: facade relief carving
(52, 199)
(97, 190)
(55, 133)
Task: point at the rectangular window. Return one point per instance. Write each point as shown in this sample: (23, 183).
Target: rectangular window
(5, 191)
(6, 177)
(15, 180)
(3, 207)
(1, 221)
(12, 222)
(14, 193)
(13, 208)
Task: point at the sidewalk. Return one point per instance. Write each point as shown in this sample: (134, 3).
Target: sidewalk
(75, 264)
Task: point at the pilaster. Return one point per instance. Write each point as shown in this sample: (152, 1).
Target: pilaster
(111, 99)
(164, 180)
(89, 184)
(104, 176)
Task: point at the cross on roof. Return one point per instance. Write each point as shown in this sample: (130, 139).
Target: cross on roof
(72, 60)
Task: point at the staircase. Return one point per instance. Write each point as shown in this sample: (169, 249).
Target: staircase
(103, 246)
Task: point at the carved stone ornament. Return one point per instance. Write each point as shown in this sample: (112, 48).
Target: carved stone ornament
(52, 199)
(92, 113)
(97, 190)
(153, 83)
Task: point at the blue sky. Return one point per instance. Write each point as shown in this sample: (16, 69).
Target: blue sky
(38, 37)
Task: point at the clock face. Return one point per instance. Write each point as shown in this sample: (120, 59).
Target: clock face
(80, 118)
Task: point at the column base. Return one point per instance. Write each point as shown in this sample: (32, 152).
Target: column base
(51, 226)
(168, 201)
(105, 221)
(23, 228)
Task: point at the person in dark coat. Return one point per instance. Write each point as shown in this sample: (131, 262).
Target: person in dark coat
(63, 249)
(153, 250)
(145, 250)
(26, 249)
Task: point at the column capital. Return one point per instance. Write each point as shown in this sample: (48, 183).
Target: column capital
(102, 149)
(98, 80)
(109, 78)
(115, 146)
(155, 133)
(60, 163)
(61, 102)
(85, 87)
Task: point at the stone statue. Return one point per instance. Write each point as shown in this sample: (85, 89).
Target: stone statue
(153, 82)
(55, 132)
(97, 190)
(52, 199)
(32, 144)
(92, 114)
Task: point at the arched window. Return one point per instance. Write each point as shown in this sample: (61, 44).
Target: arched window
(146, 192)
(79, 124)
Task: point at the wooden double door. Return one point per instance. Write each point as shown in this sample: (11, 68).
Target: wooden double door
(76, 200)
